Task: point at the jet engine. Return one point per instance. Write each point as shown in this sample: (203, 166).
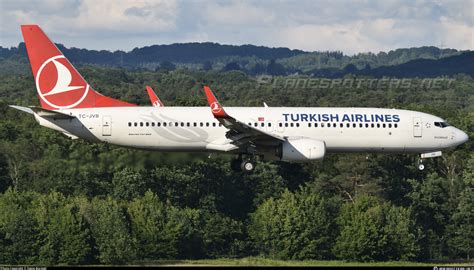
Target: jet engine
(301, 149)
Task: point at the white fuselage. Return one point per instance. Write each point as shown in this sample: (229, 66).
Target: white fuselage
(195, 128)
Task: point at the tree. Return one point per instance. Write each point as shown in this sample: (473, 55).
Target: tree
(207, 65)
(163, 231)
(296, 226)
(373, 231)
(429, 200)
(166, 65)
(275, 69)
(18, 229)
(461, 227)
(64, 236)
(351, 68)
(111, 232)
(231, 66)
(222, 236)
(127, 184)
(258, 69)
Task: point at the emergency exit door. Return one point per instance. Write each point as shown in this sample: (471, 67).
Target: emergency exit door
(106, 125)
(417, 131)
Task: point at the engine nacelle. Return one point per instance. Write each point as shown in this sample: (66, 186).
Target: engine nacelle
(300, 149)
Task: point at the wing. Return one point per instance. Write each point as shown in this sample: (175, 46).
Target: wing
(240, 132)
(155, 101)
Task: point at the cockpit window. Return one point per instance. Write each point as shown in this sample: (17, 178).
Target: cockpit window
(441, 124)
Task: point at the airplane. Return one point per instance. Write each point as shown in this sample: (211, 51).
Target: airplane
(290, 134)
(155, 100)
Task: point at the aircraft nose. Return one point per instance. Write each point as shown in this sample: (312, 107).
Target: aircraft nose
(462, 137)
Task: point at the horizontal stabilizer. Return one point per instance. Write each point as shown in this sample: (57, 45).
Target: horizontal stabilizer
(23, 109)
(43, 112)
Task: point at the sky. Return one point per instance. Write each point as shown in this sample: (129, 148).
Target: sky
(310, 25)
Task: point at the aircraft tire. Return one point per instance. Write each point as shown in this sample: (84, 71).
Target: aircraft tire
(247, 166)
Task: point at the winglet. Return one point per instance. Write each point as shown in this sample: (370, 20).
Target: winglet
(216, 107)
(155, 101)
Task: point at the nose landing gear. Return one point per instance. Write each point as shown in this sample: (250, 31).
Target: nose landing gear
(421, 167)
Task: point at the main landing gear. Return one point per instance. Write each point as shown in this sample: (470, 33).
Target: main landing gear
(421, 167)
(245, 165)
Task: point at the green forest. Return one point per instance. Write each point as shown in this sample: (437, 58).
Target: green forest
(72, 202)
(257, 60)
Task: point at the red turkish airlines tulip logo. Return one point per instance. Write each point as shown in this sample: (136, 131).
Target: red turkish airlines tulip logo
(156, 103)
(215, 107)
(56, 85)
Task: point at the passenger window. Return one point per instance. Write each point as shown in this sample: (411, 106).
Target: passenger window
(361, 125)
(291, 124)
(147, 124)
(372, 125)
(280, 124)
(269, 124)
(366, 125)
(315, 124)
(182, 124)
(262, 124)
(286, 124)
(175, 124)
(164, 124)
(255, 124)
(158, 124)
(297, 124)
(395, 125)
(389, 125)
(201, 124)
(309, 124)
(378, 125)
(322, 124)
(194, 124)
(129, 124)
(334, 125)
(135, 124)
(141, 124)
(152, 124)
(214, 124)
(341, 125)
(354, 125)
(188, 124)
(207, 124)
(383, 125)
(348, 125)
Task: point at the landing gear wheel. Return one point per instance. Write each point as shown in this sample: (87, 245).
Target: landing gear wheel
(247, 166)
(235, 165)
(421, 167)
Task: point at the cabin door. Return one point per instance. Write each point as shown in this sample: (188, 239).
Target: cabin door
(417, 131)
(106, 125)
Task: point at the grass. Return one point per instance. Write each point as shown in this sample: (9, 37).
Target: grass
(258, 261)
